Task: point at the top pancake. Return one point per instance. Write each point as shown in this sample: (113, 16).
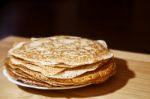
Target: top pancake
(62, 51)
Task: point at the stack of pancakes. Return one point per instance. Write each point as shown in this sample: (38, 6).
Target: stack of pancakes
(60, 61)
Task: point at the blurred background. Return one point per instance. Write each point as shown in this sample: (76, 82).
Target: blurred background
(124, 24)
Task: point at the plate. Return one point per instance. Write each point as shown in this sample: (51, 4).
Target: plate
(11, 79)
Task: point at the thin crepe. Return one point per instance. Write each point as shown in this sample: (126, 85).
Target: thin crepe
(62, 51)
(96, 76)
(57, 72)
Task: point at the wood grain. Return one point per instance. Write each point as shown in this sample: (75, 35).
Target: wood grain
(132, 80)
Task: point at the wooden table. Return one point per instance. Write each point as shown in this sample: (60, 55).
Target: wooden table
(132, 80)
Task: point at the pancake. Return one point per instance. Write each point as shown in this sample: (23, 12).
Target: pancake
(99, 75)
(20, 75)
(46, 70)
(31, 81)
(62, 51)
(54, 72)
(27, 80)
(60, 61)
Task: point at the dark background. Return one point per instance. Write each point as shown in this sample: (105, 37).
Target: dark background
(124, 24)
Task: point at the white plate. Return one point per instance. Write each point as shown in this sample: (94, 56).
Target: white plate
(5, 73)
